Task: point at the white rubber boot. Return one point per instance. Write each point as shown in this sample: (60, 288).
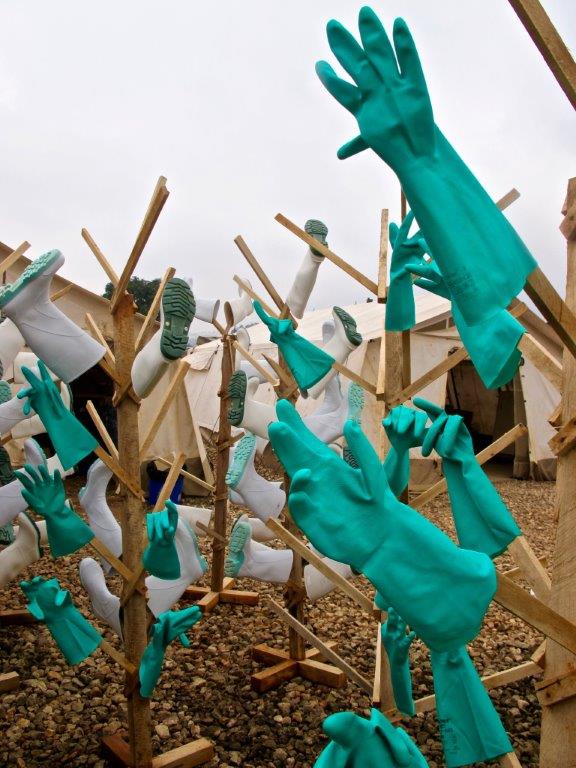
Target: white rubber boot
(249, 559)
(263, 497)
(12, 503)
(105, 605)
(11, 342)
(102, 522)
(42, 531)
(193, 515)
(29, 360)
(244, 410)
(24, 550)
(238, 309)
(11, 409)
(327, 421)
(54, 463)
(207, 309)
(33, 424)
(305, 279)
(177, 310)
(260, 531)
(54, 338)
(344, 340)
(317, 585)
(162, 594)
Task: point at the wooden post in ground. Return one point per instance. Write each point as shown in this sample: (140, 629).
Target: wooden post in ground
(558, 735)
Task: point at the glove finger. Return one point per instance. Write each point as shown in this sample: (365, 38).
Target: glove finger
(351, 148)
(44, 474)
(44, 372)
(393, 230)
(351, 56)
(405, 226)
(344, 92)
(433, 434)
(430, 408)
(292, 453)
(377, 44)
(364, 453)
(451, 433)
(420, 419)
(33, 473)
(408, 59)
(420, 268)
(290, 416)
(30, 377)
(24, 479)
(405, 419)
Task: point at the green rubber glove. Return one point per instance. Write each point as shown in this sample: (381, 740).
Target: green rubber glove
(397, 643)
(74, 634)
(160, 557)
(493, 348)
(391, 104)
(400, 307)
(71, 440)
(307, 362)
(352, 516)
(167, 627)
(405, 428)
(360, 743)
(483, 522)
(45, 494)
(470, 728)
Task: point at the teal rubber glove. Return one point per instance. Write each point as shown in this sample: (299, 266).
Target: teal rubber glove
(493, 348)
(168, 626)
(352, 516)
(400, 307)
(483, 522)
(397, 643)
(470, 728)
(360, 743)
(307, 362)
(391, 104)
(45, 494)
(71, 440)
(160, 557)
(74, 634)
(405, 428)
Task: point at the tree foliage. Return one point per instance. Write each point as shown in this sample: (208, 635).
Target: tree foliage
(142, 290)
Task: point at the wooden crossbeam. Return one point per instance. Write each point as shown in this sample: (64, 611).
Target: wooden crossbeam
(99, 336)
(153, 309)
(13, 257)
(553, 308)
(434, 373)
(284, 375)
(113, 464)
(368, 386)
(62, 292)
(165, 403)
(118, 657)
(185, 473)
(251, 359)
(169, 482)
(383, 258)
(531, 567)
(100, 258)
(547, 364)
(211, 532)
(154, 209)
(102, 431)
(254, 296)
(565, 439)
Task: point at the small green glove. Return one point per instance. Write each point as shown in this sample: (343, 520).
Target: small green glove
(74, 634)
(360, 743)
(71, 440)
(351, 516)
(167, 627)
(45, 494)
(160, 557)
(405, 428)
(483, 522)
(391, 104)
(397, 643)
(400, 308)
(470, 728)
(307, 362)
(493, 347)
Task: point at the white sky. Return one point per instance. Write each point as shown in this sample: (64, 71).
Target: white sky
(97, 99)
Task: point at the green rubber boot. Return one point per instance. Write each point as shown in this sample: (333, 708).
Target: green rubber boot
(177, 312)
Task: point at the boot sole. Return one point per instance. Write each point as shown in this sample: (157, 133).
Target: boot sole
(349, 458)
(6, 471)
(237, 395)
(350, 328)
(34, 270)
(5, 392)
(242, 453)
(241, 532)
(356, 402)
(178, 309)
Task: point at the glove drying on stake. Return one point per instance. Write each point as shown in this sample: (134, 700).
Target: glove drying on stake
(160, 557)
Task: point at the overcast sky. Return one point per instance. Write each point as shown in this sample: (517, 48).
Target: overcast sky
(97, 99)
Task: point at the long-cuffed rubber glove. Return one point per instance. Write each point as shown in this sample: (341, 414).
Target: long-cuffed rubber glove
(71, 440)
(74, 634)
(397, 642)
(360, 743)
(45, 494)
(160, 557)
(400, 307)
(405, 428)
(483, 522)
(352, 516)
(391, 104)
(307, 362)
(470, 728)
(493, 348)
(168, 626)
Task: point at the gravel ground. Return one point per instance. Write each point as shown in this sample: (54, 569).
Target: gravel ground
(59, 714)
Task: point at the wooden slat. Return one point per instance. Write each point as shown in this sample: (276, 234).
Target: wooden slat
(185, 473)
(102, 431)
(100, 258)
(99, 336)
(262, 276)
(554, 690)
(539, 356)
(154, 308)
(565, 439)
(434, 373)
(165, 403)
(254, 296)
(354, 377)
(62, 292)
(251, 359)
(383, 257)
(169, 482)
(187, 756)
(13, 257)
(113, 464)
(531, 567)
(553, 308)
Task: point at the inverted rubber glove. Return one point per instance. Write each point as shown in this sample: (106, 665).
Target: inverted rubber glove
(167, 627)
(405, 428)
(360, 743)
(483, 522)
(307, 362)
(400, 307)
(470, 728)
(160, 557)
(74, 634)
(493, 348)
(391, 104)
(352, 516)
(71, 440)
(45, 494)
(397, 643)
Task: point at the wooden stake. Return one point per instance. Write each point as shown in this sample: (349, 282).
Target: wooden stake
(542, 359)
(251, 359)
(112, 463)
(263, 277)
(556, 312)
(154, 309)
(254, 296)
(102, 431)
(102, 260)
(189, 475)
(434, 373)
(62, 292)
(169, 482)
(99, 336)
(13, 257)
